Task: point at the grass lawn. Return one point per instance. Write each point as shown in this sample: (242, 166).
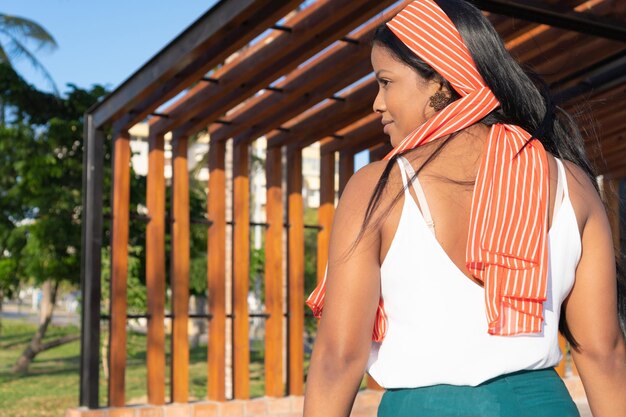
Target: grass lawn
(51, 384)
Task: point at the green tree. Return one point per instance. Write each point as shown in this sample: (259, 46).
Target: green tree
(40, 201)
(40, 193)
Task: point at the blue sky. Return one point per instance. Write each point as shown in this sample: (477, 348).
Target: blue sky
(105, 41)
(102, 41)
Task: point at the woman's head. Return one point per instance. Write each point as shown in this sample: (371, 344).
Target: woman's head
(410, 91)
(521, 100)
(403, 95)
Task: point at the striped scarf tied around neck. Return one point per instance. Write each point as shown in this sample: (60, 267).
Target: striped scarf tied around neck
(507, 249)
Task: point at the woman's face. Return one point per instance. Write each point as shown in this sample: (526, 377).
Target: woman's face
(403, 95)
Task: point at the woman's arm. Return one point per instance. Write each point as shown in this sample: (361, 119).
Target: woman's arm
(591, 313)
(344, 334)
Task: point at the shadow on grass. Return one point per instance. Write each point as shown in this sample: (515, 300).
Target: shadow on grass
(16, 339)
(7, 376)
(23, 338)
(65, 360)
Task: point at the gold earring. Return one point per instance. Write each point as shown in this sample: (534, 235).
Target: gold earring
(439, 100)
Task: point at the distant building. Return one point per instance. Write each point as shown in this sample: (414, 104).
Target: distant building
(197, 154)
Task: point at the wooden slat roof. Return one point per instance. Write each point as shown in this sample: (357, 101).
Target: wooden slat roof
(307, 76)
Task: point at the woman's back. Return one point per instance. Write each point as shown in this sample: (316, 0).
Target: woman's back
(448, 182)
(451, 346)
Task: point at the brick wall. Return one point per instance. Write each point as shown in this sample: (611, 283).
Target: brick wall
(365, 405)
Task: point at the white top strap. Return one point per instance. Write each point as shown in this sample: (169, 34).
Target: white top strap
(419, 192)
(404, 180)
(561, 187)
(563, 176)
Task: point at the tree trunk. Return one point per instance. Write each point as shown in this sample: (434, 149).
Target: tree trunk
(200, 328)
(105, 354)
(48, 299)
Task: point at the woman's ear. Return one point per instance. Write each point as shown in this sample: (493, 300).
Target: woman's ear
(440, 98)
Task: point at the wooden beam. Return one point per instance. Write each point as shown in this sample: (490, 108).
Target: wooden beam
(346, 169)
(274, 386)
(607, 131)
(225, 28)
(303, 88)
(296, 273)
(611, 125)
(532, 40)
(610, 148)
(558, 16)
(614, 156)
(119, 267)
(366, 129)
(336, 68)
(216, 272)
(180, 270)
(155, 271)
(588, 51)
(378, 152)
(370, 142)
(241, 266)
(312, 30)
(329, 118)
(611, 157)
(615, 174)
(326, 211)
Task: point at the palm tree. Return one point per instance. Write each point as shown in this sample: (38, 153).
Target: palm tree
(18, 31)
(15, 33)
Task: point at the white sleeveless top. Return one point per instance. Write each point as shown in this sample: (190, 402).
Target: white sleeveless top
(452, 346)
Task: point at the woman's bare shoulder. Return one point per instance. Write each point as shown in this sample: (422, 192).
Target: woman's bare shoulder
(366, 178)
(372, 171)
(362, 184)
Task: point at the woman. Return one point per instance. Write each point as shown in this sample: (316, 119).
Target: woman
(482, 235)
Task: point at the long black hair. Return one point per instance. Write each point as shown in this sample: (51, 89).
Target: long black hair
(524, 99)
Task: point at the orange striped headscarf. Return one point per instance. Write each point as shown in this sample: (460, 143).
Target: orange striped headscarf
(507, 247)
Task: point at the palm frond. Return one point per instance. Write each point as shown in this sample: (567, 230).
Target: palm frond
(26, 30)
(3, 56)
(14, 49)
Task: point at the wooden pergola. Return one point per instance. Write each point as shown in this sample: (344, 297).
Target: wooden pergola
(296, 74)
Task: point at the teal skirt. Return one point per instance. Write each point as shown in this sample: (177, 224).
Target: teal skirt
(539, 393)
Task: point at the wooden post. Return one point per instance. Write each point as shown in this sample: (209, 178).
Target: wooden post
(274, 275)
(346, 169)
(326, 210)
(119, 267)
(296, 273)
(180, 270)
(241, 266)
(216, 273)
(155, 270)
(91, 264)
(560, 368)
